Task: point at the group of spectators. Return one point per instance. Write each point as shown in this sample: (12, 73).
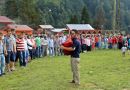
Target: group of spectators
(112, 41)
(23, 48)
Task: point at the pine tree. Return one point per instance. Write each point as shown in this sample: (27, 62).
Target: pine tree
(74, 20)
(85, 19)
(28, 13)
(11, 8)
(114, 16)
(100, 17)
(2, 7)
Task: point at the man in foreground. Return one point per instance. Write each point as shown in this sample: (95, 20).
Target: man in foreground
(75, 57)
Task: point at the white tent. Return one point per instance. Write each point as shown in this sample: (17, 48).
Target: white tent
(79, 27)
(46, 26)
(58, 30)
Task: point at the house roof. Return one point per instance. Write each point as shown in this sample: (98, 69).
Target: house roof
(5, 20)
(79, 27)
(46, 26)
(20, 27)
(58, 29)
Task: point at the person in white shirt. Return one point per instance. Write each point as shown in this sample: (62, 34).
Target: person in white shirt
(44, 46)
(30, 47)
(88, 43)
(57, 45)
(33, 47)
(62, 39)
(123, 49)
(26, 49)
(51, 46)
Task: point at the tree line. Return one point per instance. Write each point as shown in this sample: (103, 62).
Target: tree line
(58, 13)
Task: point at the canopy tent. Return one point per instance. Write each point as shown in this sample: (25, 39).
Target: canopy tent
(46, 26)
(87, 28)
(58, 30)
(21, 28)
(5, 20)
(46, 29)
(79, 27)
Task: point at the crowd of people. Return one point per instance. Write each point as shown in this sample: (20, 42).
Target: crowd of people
(22, 48)
(111, 41)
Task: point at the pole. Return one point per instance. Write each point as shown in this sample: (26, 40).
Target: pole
(118, 16)
(114, 16)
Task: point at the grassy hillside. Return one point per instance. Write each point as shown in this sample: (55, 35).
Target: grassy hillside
(100, 70)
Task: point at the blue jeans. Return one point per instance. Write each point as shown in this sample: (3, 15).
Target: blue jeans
(57, 51)
(11, 56)
(110, 46)
(26, 55)
(22, 58)
(31, 53)
(2, 63)
(97, 44)
(44, 50)
(51, 51)
(38, 51)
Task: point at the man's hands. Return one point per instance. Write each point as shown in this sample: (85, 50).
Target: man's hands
(62, 47)
(5, 52)
(67, 48)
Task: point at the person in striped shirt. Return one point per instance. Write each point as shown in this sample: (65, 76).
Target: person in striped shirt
(20, 46)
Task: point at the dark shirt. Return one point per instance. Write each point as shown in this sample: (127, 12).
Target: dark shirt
(77, 47)
(128, 39)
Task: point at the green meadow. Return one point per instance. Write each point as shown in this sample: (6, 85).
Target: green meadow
(99, 70)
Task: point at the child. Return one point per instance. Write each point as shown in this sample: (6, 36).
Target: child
(124, 48)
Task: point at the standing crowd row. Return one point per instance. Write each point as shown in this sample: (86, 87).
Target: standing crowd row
(23, 48)
(115, 41)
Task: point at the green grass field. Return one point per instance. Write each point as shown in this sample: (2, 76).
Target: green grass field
(100, 70)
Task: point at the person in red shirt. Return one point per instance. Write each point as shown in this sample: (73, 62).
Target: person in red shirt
(96, 41)
(93, 42)
(114, 42)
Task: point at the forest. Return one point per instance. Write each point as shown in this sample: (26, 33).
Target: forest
(98, 13)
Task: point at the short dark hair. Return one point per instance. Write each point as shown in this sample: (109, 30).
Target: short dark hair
(8, 30)
(74, 30)
(1, 33)
(23, 32)
(12, 29)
